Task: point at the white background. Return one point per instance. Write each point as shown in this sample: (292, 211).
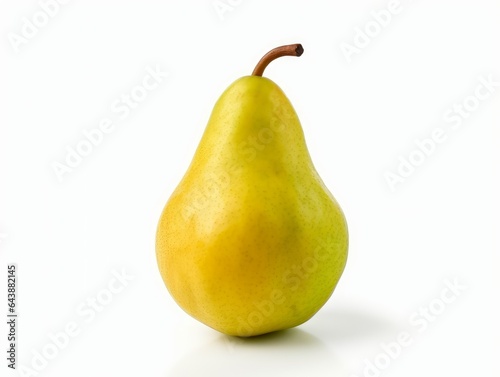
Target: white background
(358, 117)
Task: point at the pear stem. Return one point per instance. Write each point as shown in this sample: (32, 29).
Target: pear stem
(278, 52)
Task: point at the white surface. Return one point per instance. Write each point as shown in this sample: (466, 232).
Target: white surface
(67, 238)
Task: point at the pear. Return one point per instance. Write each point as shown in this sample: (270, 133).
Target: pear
(251, 240)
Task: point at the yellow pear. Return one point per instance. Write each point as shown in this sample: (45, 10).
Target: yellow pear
(251, 241)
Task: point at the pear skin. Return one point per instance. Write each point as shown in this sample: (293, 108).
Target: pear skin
(251, 241)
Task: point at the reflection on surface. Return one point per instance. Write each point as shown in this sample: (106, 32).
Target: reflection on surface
(344, 324)
(332, 343)
(292, 352)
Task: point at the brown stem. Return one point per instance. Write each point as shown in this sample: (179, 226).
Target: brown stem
(278, 52)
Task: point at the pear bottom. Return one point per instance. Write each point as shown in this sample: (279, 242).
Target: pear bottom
(245, 279)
